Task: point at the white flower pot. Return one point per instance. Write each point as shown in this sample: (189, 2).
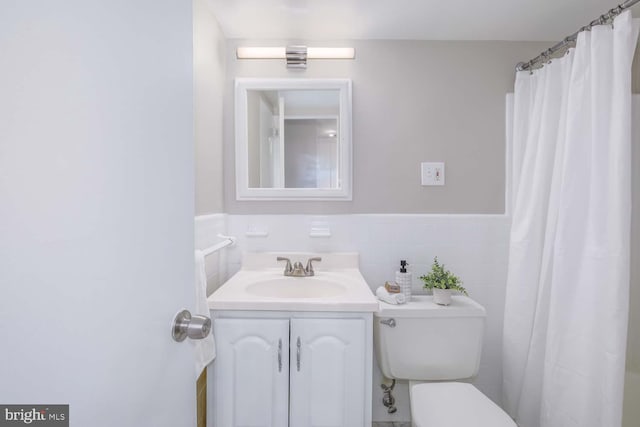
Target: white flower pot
(442, 296)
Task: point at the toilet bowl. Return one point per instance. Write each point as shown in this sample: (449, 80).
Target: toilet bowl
(432, 346)
(454, 404)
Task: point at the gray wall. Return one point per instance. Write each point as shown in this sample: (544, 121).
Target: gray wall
(208, 77)
(633, 344)
(635, 71)
(413, 101)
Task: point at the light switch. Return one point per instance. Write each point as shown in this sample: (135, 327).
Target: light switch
(432, 173)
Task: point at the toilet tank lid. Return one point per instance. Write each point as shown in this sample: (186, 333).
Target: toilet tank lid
(423, 306)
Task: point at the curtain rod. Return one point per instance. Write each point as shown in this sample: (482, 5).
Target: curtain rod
(567, 41)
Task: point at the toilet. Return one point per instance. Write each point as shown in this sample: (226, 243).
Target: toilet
(432, 347)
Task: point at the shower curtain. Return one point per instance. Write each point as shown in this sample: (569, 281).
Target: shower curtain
(565, 324)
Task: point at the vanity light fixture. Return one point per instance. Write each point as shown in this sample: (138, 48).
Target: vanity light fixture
(296, 56)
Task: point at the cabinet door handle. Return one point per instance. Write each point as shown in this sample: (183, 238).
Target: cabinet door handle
(298, 344)
(280, 355)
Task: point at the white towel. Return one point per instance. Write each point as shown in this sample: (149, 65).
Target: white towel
(385, 296)
(204, 349)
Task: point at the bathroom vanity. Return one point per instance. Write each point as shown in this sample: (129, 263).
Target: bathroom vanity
(292, 351)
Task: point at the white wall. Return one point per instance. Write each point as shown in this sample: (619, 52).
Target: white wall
(207, 228)
(474, 246)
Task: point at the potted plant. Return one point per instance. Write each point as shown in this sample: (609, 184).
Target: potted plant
(442, 282)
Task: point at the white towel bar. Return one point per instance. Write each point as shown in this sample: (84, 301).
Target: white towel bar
(228, 240)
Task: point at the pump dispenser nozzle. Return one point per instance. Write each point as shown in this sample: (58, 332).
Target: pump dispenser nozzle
(403, 266)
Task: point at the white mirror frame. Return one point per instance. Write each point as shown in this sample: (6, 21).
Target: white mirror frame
(243, 191)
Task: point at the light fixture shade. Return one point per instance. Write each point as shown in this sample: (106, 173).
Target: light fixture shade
(261, 52)
(244, 52)
(331, 53)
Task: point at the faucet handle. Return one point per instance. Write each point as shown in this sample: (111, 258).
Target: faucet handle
(309, 268)
(298, 270)
(287, 268)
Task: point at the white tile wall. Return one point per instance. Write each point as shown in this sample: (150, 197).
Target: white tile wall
(207, 228)
(473, 246)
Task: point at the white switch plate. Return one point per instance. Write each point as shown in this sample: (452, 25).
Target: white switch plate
(432, 173)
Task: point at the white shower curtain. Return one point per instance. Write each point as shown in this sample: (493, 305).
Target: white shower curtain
(568, 283)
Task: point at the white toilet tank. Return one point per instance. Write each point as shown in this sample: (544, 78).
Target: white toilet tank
(425, 342)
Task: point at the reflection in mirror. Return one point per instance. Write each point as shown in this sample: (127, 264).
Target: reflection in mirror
(293, 138)
(310, 152)
(296, 142)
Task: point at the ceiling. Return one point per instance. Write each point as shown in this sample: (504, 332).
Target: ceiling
(305, 20)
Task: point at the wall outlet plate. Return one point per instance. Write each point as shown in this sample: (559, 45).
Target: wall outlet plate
(432, 173)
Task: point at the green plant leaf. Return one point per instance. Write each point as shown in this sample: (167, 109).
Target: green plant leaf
(441, 278)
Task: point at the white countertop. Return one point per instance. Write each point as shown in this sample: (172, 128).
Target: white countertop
(336, 286)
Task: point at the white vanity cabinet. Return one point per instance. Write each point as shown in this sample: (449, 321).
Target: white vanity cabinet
(291, 370)
(250, 373)
(327, 380)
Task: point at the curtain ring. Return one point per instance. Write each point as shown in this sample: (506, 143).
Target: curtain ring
(530, 67)
(614, 13)
(568, 41)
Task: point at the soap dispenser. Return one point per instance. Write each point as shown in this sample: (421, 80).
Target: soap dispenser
(403, 279)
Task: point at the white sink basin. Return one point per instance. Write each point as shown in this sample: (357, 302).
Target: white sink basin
(296, 287)
(261, 285)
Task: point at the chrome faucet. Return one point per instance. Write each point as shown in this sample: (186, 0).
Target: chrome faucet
(288, 269)
(297, 270)
(309, 268)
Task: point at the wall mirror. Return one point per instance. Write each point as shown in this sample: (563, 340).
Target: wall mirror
(293, 139)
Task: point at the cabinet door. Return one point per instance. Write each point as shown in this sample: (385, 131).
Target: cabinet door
(327, 373)
(251, 373)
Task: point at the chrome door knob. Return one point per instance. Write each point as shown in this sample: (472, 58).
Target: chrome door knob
(187, 326)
